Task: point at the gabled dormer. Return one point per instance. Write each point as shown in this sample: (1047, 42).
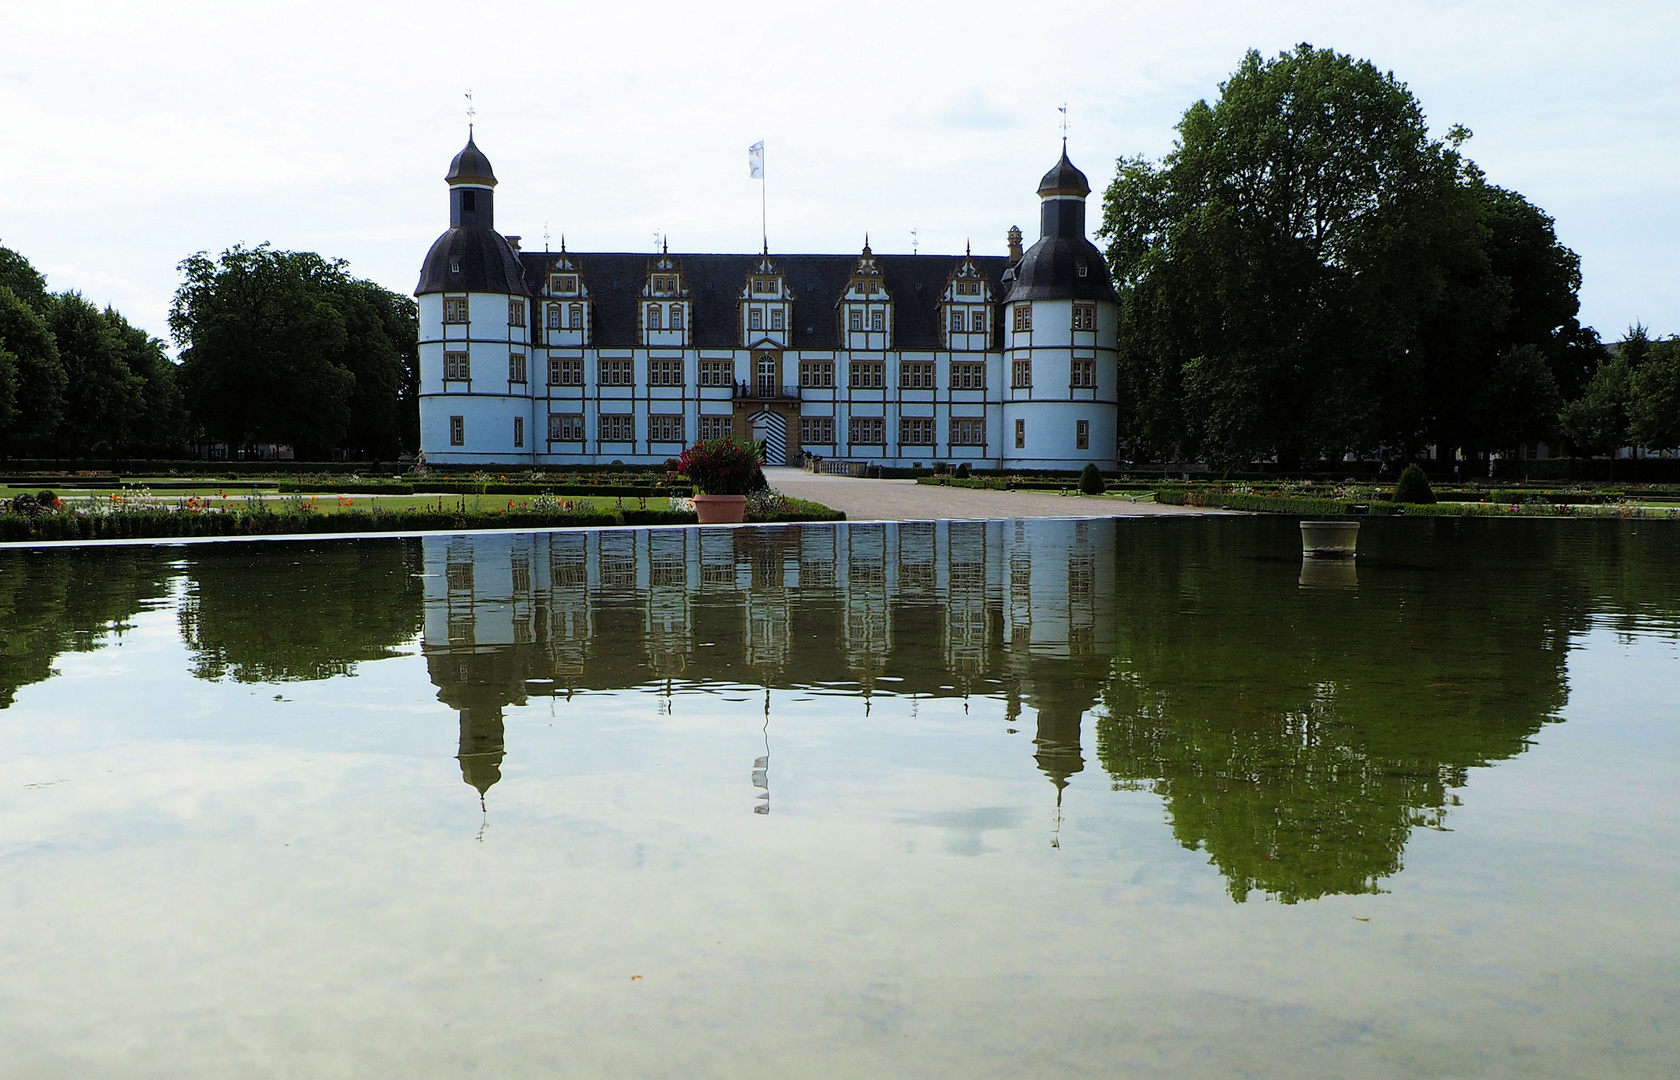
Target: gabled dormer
(965, 308)
(566, 312)
(766, 306)
(866, 311)
(665, 308)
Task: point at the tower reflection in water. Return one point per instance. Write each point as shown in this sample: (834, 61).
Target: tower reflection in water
(1295, 735)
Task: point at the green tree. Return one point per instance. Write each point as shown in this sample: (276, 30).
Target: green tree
(160, 425)
(103, 399)
(286, 347)
(1653, 407)
(1519, 402)
(18, 275)
(37, 377)
(1597, 422)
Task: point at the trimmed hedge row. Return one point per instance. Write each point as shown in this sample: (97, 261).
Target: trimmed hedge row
(465, 487)
(1311, 507)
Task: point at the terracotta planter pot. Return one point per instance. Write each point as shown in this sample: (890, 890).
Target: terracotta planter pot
(720, 509)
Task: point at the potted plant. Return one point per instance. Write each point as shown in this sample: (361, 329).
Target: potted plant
(722, 471)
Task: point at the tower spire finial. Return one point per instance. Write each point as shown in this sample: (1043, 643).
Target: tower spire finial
(471, 112)
(1063, 110)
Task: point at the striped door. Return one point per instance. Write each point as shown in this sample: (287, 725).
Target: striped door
(770, 429)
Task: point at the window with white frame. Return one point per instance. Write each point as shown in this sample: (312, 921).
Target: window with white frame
(519, 431)
(616, 373)
(869, 374)
(854, 320)
(565, 427)
(554, 317)
(1023, 317)
(915, 375)
(959, 322)
(516, 313)
(1021, 374)
(653, 320)
(776, 319)
(676, 321)
(1084, 316)
(574, 317)
(565, 371)
(816, 430)
(454, 309)
(716, 427)
(977, 321)
(457, 431)
(1020, 434)
(968, 431)
(968, 375)
(868, 431)
(717, 373)
(564, 284)
(665, 428)
(1082, 373)
(877, 320)
(457, 367)
(617, 427)
(665, 372)
(516, 367)
(915, 430)
(755, 319)
(817, 374)
(1082, 434)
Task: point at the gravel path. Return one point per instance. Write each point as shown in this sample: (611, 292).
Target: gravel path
(906, 500)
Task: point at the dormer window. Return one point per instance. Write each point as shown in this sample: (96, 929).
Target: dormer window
(564, 284)
(1082, 270)
(454, 268)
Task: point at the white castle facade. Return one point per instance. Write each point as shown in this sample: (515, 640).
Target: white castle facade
(560, 358)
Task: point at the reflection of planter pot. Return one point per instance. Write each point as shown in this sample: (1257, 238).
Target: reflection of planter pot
(720, 509)
(1329, 539)
(1329, 574)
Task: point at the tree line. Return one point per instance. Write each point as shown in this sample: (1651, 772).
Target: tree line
(1309, 272)
(275, 347)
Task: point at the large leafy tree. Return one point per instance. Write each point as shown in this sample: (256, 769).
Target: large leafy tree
(160, 424)
(1309, 271)
(104, 398)
(1653, 408)
(286, 347)
(32, 379)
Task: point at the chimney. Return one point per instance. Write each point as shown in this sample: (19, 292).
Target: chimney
(1014, 243)
(514, 240)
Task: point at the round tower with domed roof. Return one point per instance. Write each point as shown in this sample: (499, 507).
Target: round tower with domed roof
(1061, 325)
(476, 314)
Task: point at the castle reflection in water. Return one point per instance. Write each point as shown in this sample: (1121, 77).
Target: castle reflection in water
(1016, 609)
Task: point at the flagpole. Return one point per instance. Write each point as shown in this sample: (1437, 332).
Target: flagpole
(764, 203)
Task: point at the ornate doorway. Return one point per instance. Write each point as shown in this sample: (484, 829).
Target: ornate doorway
(770, 428)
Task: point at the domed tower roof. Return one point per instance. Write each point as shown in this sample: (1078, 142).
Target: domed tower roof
(1063, 179)
(470, 166)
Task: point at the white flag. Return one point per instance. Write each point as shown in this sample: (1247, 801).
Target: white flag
(755, 159)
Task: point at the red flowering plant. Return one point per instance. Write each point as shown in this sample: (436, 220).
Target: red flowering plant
(721, 466)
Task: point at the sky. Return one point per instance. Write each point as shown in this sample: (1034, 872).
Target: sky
(138, 134)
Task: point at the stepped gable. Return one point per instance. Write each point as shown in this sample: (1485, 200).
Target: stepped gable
(615, 281)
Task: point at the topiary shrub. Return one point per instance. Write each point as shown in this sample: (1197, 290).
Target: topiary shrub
(963, 470)
(1413, 487)
(1091, 479)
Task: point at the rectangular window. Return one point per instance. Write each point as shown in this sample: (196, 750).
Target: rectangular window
(1021, 375)
(565, 427)
(716, 427)
(457, 431)
(868, 375)
(1084, 316)
(1023, 316)
(665, 372)
(818, 374)
(755, 319)
(665, 429)
(454, 309)
(457, 367)
(516, 313)
(519, 431)
(816, 430)
(915, 430)
(575, 316)
(977, 320)
(554, 316)
(959, 322)
(1082, 373)
(1082, 434)
(968, 431)
(776, 319)
(653, 316)
(617, 427)
(855, 320)
(676, 316)
(616, 373)
(868, 431)
(565, 284)
(877, 320)
(717, 373)
(915, 375)
(968, 375)
(516, 367)
(565, 372)
(1020, 434)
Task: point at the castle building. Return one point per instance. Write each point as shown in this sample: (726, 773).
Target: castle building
(563, 358)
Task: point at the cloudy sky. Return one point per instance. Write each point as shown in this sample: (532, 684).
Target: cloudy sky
(136, 134)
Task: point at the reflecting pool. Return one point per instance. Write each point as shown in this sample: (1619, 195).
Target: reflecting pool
(1139, 798)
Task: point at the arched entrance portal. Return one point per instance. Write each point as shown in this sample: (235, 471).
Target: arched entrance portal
(770, 428)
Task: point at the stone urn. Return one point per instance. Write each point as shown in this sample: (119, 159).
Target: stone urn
(1329, 539)
(720, 509)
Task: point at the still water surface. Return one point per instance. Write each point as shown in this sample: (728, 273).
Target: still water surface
(1138, 798)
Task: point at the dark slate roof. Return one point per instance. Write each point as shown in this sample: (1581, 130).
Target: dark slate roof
(715, 283)
(470, 166)
(488, 264)
(1064, 179)
(1050, 271)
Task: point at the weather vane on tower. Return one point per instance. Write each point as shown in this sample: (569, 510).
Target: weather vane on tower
(1062, 108)
(471, 112)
